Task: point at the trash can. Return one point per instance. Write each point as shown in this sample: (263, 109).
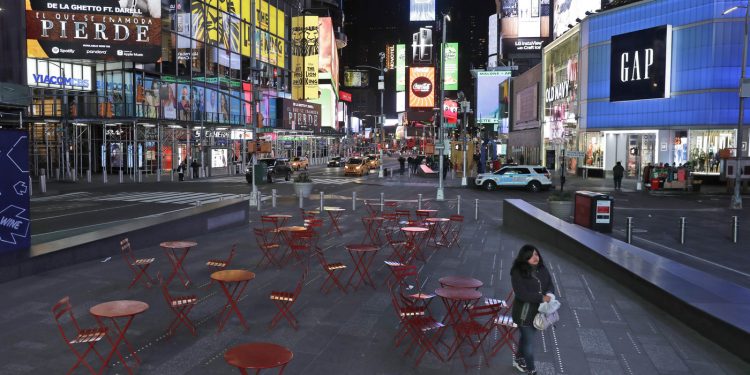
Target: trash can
(260, 172)
(655, 184)
(594, 211)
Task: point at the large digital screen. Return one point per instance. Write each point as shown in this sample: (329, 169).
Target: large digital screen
(94, 29)
(328, 57)
(422, 87)
(524, 19)
(356, 78)
(421, 10)
(566, 12)
(640, 64)
(451, 66)
(488, 109)
(14, 191)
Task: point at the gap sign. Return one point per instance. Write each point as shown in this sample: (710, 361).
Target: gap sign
(640, 65)
(14, 191)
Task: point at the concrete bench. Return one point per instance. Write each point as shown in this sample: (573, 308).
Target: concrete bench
(714, 307)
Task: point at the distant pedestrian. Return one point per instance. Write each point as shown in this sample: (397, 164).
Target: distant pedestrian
(181, 170)
(532, 285)
(410, 163)
(195, 165)
(446, 166)
(617, 172)
(522, 159)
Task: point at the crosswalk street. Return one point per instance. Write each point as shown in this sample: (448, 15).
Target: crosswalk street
(159, 197)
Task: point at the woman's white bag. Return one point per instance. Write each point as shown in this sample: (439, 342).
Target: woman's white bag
(547, 314)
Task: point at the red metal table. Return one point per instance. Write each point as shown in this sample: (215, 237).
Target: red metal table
(278, 220)
(372, 228)
(460, 282)
(437, 227)
(258, 356)
(456, 301)
(429, 212)
(335, 214)
(412, 242)
(286, 234)
(362, 255)
(233, 283)
(176, 252)
(114, 310)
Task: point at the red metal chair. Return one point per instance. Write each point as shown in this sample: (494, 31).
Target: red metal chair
(284, 302)
(404, 216)
(138, 266)
(220, 264)
(454, 232)
(301, 243)
(331, 269)
(426, 333)
(390, 205)
(407, 277)
(271, 224)
(180, 306)
(88, 336)
(482, 320)
(505, 326)
(267, 247)
(421, 216)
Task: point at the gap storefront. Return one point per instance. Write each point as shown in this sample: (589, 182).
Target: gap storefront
(661, 88)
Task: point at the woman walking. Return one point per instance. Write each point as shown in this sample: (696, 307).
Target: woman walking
(531, 284)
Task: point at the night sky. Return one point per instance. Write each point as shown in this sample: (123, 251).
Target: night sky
(370, 25)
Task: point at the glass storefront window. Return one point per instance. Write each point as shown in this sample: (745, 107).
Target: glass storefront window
(593, 149)
(705, 146)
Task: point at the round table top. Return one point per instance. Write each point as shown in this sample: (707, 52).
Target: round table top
(312, 212)
(374, 204)
(373, 218)
(178, 244)
(427, 210)
(437, 219)
(295, 228)
(361, 247)
(414, 229)
(280, 216)
(118, 309)
(232, 276)
(460, 282)
(461, 294)
(258, 355)
(334, 209)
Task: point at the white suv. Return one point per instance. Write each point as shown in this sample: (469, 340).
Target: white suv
(532, 177)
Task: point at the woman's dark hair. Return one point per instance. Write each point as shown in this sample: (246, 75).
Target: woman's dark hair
(521, 263)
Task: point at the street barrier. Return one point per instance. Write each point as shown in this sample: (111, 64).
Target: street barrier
(300, 201)
(419, 201)
(104, 175)
(629, 230)
(458, 205)
(321, 202)
(31, 186)
(43, 183)
(88, 176)
(121, 180)
(382, 201)
(273, 198)
(476, 209)
(354, 201)
(74, 175)
(57, 174)
(682, 230)
(735, 228)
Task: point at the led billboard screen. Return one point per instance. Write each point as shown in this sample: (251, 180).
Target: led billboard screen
(422, 87)
(93, 29)
(421, 10)
(488, 109)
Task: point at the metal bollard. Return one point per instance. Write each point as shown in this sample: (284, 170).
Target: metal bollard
(104, 176)
(300, 200)
(31, 187)
(273, 198)
(382, 201)
(57, 173)
(88, 176)
(121, 176)
(476, 209)
(682, 230)
(458, 205)
(158, 175)
(74, 175)
(140, 176)
(354, 201)
(419, 201)
(629, 230)
(259, 202)
(735, 228)
(171, 175)
(321, 201)
(43, 183)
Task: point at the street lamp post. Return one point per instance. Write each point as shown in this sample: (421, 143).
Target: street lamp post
(381, 119)
(736, 197)
(441, 145)
(465, 108)
(66, 110)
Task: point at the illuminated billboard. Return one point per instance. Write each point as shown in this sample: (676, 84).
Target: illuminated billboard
(400, 67)
(421, 10)
(328, 57)
(356, 78)
(422, 87)
(101, 30)
(567, 11)
(305, 49)
(450, 80)
(488, 109)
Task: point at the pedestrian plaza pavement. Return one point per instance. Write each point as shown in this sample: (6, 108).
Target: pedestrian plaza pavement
(604, 328)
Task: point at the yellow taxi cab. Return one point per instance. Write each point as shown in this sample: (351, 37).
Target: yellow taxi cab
(356, 166)
(372, 161)
(299, 162)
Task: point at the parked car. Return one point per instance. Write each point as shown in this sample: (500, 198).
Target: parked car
(276, 168)
(373, 161)
(532, 177)
(356, 166)
(336, 161)
(299, 162)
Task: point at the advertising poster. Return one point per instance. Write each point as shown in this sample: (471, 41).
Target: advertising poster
(488, 100)
(184, 109)
(329, 57)
(168, 98)
(223, 107)
(298, 115)
(305, 57)
(400, 67)
(217, 25)
(566, 12)
(151, 98)
(422, 87)
(40, 73)
(14, 191)
(561, 88)
(94, 29)
(450, 111)
(212, 105)
(421, 10)
(451, 66)
(358, 78)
